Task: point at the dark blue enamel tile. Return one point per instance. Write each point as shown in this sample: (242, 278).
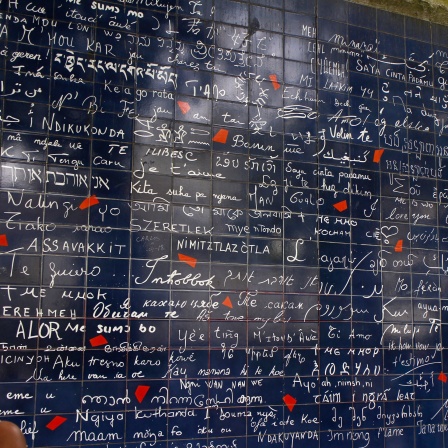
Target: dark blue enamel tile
(334, 10)
(418, 29)
(390, 22)
(362, 15)
(300, 6)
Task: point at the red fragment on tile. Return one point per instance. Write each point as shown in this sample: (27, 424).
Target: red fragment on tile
(140, 392)
(183, 106)
(399, 246)
(289, 401)
(221, 136)
(98, 340)
(88, 202)
(56, 422)
(274, 81)
(377, 155)
(188, 260)
(227, 302)
(341, 206)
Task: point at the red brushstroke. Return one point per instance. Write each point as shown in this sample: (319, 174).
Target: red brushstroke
(341, 206)
(98, 340)
(221, 136)
(56, 422)
(442, 377)
(140, 392)
(88, 202)
(183, 106)
(289, 401)
(227, 302)
(274, 81)
(3, 240)
(377, 155)
(188, 260)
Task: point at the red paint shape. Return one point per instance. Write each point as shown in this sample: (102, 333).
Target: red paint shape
(377, 155)
(341, 206)
(86, 203)
(3, 240)
(183, 106)
(140, 393)
(290, 402)
(442, 377)
(274, 81)
(188, 260)
(221, 136)
(228, 302)
(98, 340)
(399, 246)
(56, 422)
